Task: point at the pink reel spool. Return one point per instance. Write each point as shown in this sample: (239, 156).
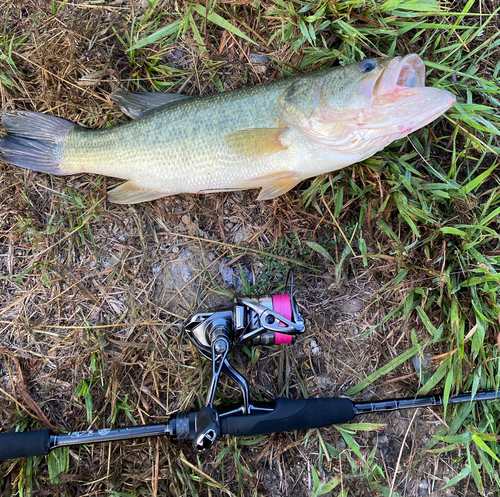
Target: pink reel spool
(283, 305)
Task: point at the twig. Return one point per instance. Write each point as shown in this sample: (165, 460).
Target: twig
(338, 225)
(401, 453)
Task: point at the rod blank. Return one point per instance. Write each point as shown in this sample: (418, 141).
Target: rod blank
(412, 403)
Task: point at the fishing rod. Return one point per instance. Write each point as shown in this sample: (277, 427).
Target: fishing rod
(266, 320)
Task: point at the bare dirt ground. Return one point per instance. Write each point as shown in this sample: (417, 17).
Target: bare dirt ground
(93, 296)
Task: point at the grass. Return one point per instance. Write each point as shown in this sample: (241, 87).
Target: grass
(90, 331)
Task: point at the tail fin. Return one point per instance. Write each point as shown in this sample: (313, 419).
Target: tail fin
(34, 141)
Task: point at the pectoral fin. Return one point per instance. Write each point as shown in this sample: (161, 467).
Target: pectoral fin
(136, 105)
(255, 142)
(130, 193)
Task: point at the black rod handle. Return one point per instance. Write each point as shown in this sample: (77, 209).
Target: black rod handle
(289, 415)
(24, 444)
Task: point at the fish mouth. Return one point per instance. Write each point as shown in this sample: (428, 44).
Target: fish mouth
(393, 78)
(397, 98)
(391, 102)
(403, 79)
(401, 74)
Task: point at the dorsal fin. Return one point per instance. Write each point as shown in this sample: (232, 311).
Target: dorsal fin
(135, 105)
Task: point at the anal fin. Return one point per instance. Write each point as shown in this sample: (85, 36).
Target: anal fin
(130, 193)
(273, 185)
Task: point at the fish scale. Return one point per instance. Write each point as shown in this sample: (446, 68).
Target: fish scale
(271, 136)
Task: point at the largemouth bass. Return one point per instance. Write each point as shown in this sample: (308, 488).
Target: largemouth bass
(271, 136)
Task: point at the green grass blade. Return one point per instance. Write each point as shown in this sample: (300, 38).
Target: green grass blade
(221, 22)
(384, 370)
(463, 474)
(157, 36)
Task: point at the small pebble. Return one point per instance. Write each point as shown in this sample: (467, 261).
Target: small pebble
(423, 486)
(241, 234)
(227, 275)
(177, 54)
(175, 249)
(341, 445)
(380, 440)
(229, 225)
(185, 219)
(315, 348)
(352, 305)
(257, 58)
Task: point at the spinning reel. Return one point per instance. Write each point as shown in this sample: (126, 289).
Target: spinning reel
(266, 320)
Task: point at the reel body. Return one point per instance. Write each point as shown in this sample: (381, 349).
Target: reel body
(265, 320)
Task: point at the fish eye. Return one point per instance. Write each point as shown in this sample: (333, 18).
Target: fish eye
(367, 65)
